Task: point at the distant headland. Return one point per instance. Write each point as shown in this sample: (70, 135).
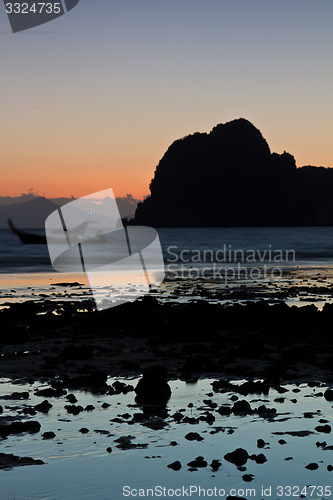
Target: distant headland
(229, 177)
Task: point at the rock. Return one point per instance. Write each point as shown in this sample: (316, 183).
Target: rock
(109, 449)
(215, 465)
(193, 436)
(153, 385)
(16, 395)
(260, 459)
(73, 409)
(328, 395)
(248, 478)
(326, 429)
(84, 430)
(43, 407)
(8, 461)
(51, 393)
(237, 457)
(312, 466)
(71, 398)
(330, 468)
(282, 441)
(19, 427)
(199, 462)
(125, 443)
(175, 465)
(241, 407)
(261, 443)
(224, 410)
(48, 435)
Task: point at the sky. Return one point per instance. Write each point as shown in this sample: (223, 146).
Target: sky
(93, 99)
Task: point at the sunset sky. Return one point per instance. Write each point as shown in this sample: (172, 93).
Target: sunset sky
(93, 99)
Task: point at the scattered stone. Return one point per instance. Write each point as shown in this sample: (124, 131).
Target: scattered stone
(330, 468)
(8, 461)
(84, 430)
(237, 457)
(51, 393)
(19, 427)
(109, 449)
(215, 465)
(153, 385)
(282, 441)
(16, 395)
(241, 407)
(248, 478)
(48, 435)
(175, 465)
(326, 429)
(43, 407)
(125, 443)
(199, 462)
(312, 466)
(73, 409)
(193, 436)
(71, 398)
(328, 395)
(260, 459)
(261, 443)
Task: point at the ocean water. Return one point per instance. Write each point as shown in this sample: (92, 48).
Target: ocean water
(299, 246)
(79, 466)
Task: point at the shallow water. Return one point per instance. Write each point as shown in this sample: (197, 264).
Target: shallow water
(78, 465)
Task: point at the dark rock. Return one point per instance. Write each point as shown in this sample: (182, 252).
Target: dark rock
(19, 427)
(199, 462)
(16, 395)
(8, 461)
(260, 459)
(237, 457)
(312, 466)
(51, 393)
(109, 449)
(73, 409)
(125, 443)
(248, 478)
(89, 408)
(153, 385)
(48, 435)
(84, 430)
(193, 436)
(43, 407)
(224, 410)
(215, 465)
(326, 429)
(282, 441)
(71, 398)
(328, 395)
(261, 443)
(175, 465)
(241, 408)
(330, 468)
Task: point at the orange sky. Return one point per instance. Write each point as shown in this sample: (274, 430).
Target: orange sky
(94, 101)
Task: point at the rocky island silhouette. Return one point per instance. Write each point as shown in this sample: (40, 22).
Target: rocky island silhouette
(229, 177)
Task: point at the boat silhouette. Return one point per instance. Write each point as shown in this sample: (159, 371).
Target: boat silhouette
(27, 238)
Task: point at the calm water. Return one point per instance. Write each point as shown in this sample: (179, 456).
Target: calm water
(78, 465)
(311, 246)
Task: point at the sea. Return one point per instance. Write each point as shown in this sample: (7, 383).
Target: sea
(288, 246)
